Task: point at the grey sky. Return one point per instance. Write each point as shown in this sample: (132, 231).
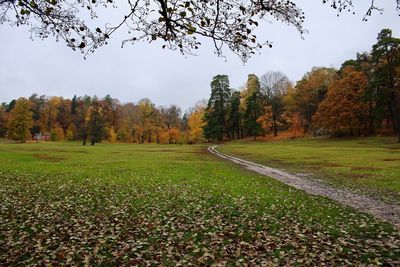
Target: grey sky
(167, 77)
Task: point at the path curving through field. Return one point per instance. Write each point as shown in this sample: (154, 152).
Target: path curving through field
(379, 209)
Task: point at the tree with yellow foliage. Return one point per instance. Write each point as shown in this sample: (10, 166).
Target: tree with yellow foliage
(20, 121)
(57, 133)
(71, 132)
(196, 123)
(49, 113)
(112, 135)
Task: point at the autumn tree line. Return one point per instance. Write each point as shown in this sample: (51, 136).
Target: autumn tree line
(93, 120)
(361, 98)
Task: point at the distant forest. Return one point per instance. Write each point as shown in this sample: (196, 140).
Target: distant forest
(362, 98)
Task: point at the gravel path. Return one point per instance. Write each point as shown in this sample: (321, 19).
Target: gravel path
(377, 208)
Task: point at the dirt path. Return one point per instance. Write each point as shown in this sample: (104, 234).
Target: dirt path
(377, 208)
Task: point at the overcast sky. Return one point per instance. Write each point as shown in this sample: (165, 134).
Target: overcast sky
(166, 77)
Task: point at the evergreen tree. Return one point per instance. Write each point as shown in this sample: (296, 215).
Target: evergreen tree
(110, 113)
(10, 105)
(37, 105)
(82, 116)
(234, 115)
(253, 112)
(216, 114)
(74, 105)
(386, 57)
(96, 122)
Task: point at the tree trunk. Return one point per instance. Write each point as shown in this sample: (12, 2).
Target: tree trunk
(397, 118)
(393, 118)
(371, 129)
(227, 129)
(84, 138)
(84, 135)
(274, 115)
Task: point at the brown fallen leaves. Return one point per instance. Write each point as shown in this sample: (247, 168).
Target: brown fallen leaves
(181, 224)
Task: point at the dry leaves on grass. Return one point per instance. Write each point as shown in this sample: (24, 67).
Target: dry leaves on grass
(95, 223)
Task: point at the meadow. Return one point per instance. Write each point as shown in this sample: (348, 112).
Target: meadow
(365, 165)
(121, 204)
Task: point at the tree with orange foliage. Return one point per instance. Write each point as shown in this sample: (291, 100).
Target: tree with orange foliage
(266, 121)
(310, 92)
(296, 127)
(196, 123)
(344, 110)
(173, 135)
(163, 136)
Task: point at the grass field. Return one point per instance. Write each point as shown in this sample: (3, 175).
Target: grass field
(367, 165)
(108, 205)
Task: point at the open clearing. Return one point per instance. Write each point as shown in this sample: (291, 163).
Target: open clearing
(364, 165)
(375, 207)
(61, 203)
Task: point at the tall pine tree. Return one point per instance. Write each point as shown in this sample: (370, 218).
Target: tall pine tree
(235, 115)
(253, 111)
(216, 114)
(386, 57)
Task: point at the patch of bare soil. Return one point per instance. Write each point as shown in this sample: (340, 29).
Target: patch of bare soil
(394, 148)
(377, 208)
(365, 168)
(355, 176)
(49, 158)
(391, 160)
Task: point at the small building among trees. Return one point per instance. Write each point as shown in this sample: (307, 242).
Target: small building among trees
(41, 137)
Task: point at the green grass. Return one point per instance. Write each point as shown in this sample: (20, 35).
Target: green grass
(62, 203)
(370, 165)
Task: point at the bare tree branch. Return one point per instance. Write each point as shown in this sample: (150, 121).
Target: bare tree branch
(180, 24)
